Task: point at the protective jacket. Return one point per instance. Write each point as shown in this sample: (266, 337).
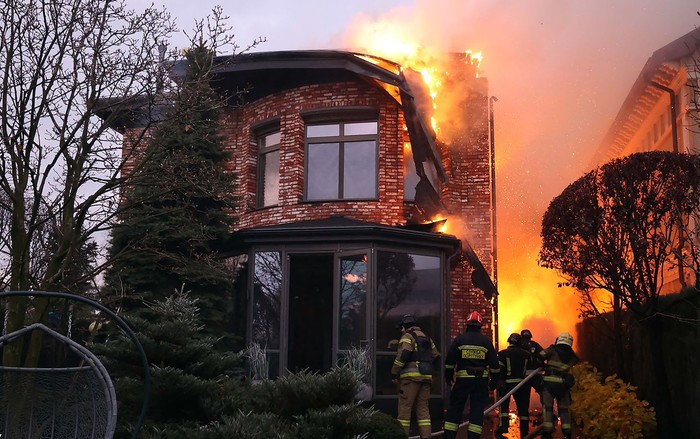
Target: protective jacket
(407, 362)
(471, 354)
(558, 358)
(514, 363)
(534, 350)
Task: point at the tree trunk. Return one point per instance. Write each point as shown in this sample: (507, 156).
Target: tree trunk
(617, 338)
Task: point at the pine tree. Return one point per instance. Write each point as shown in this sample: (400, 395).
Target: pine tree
(178, 211)
(190, 378)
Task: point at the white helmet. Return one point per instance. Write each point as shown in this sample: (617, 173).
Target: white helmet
(565, 338)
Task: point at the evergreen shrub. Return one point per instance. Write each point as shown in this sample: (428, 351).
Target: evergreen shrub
(381, 426)
(298, 393)
(609, 407)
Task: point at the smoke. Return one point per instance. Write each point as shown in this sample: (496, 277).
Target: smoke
(560, 71)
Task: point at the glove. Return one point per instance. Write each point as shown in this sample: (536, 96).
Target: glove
(449, 376)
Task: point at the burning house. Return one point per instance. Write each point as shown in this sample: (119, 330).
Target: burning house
(353, 212)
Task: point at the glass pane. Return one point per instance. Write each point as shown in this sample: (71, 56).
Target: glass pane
(267, 291)
(407, 284)
(353, 301)
(273, 359)
(271, 139)
(360, 173)
(270, 178)
(410, 176)
(359, 128)
(332, 130)
(323, 170)
(384, 386)
(432, 173)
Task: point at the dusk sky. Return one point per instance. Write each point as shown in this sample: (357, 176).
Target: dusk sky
(560, 70)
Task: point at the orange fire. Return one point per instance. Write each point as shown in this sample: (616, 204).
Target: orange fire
(389, 40)
(529, 296)
(532, 301)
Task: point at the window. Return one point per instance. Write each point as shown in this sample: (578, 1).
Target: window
(267, 303)
(410, 176)
(341, 160)
(268, 169)
(406, 283)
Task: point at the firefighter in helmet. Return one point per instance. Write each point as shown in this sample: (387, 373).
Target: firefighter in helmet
(469, 359)
(513, 363)
(412, 373)
(558, 381)
(533, 348)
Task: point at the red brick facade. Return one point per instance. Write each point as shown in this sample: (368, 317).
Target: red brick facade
(468, 195)
(287, 107)
(466, 160)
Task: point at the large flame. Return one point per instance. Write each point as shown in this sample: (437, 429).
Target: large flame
(529, 297)
(390, 40)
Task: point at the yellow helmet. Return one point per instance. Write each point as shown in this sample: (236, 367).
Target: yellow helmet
(565, 338)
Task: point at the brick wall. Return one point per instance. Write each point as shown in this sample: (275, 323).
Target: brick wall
(286, 107)
(468, 195)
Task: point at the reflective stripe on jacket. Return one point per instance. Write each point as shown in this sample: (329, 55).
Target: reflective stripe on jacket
(404, 366)
(472, 354)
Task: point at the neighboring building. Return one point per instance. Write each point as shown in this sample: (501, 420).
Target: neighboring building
(341, 185)
(661, 110)
(661, 113)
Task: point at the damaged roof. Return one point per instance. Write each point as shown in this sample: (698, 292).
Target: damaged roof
(251, 76)
(263, 73)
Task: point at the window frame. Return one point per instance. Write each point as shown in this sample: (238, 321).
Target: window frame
(342, 118)
(261, 134)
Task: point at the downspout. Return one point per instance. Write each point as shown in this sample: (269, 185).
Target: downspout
(674, 133)
(674, 127)
(494, 246)
(447, 335)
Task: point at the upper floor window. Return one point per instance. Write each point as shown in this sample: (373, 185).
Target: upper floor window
(268, 169)
(341, 160)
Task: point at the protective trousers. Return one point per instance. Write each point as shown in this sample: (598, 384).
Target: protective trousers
(522, 402)
(415, 393)
(563, 398)
(476, 389)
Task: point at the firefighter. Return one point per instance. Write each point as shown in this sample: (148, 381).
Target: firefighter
(558, 381)
(412, 373)
(513, 362)
(535, 362)
(534, 349)
(469, 359)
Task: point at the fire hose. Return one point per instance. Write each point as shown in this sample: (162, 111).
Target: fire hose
(495, 405)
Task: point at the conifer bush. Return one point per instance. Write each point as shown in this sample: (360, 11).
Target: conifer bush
(609, 407)
(298, 393)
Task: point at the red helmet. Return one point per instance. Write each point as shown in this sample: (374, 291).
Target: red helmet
(474, 318)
